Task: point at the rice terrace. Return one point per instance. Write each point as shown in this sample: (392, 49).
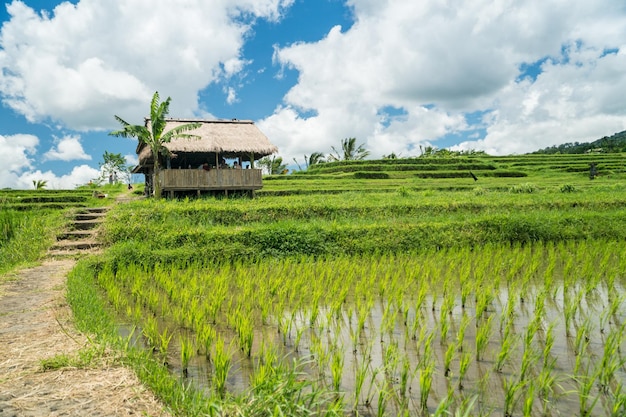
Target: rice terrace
(445, 285)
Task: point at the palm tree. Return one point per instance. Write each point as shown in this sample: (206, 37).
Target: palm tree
(314, 158)
(154, 137)
(273, 165)
(350, 151)
(40, 184)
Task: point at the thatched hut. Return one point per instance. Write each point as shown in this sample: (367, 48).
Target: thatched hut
(221, 159)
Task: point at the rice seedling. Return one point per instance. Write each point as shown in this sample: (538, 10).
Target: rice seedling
(406, 376)
(245, 333)
(548, 345)
(221, 366)
(610, 361)
(464, 363)
(483, 334)
(618, 406)
(460, 334)
(205, 338)
(187, 349)
(529, 399)
(506, 348)
(448, 358)
(361, 371)
(546, 383)
(444, 326)
(586, 400)
(336, 368)
(512, 390)
(426, 381)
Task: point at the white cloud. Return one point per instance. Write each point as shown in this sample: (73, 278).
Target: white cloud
(17, 166)
(440, 62)
(16, 156)
(131, 159)
(81, 62)
(68, 148)
(80, 175)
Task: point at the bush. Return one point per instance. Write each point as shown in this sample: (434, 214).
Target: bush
(567, 188)
(371, 175)
(526, 188)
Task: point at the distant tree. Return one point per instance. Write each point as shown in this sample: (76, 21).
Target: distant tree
(273, 165)
(114, 164)
(154, 137)
(314, 159)
(392, 155)
(349, 151)
(40, 184)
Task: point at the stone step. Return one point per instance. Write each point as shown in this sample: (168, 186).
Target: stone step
(75, 245)
(88, 216)
(86, 224)
(76, 235)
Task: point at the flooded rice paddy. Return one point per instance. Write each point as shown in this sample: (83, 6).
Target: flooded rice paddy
(495, 330)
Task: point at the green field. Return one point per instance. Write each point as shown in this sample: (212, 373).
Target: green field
(376, 288)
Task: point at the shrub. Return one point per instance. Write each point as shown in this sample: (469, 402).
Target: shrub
(568, 188)
(360, 175)
(525, 188)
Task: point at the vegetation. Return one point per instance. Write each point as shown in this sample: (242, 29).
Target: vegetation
(396, 295)
(612, 144)
(113, 167)
(349, 151)
(155, 137)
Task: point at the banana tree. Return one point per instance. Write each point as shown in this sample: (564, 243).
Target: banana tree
(154, 137)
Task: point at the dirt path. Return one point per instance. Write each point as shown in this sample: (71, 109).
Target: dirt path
(36, 324)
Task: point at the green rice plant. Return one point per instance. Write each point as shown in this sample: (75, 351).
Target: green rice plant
(464, 363)
(506, 348)
(529, 399)
(406, 375)
(512, 390)
(245, 333)
(546, 383)
(361, 371)
(383, 397)
(336, 368)
(610, 361)
(548, 345)
(483, 334)
(618, 406)
(205, 338)
(164, 342)
(444, 326)
(187, 349)
(221, 366)
(586, 400)
(447, 359)
(426, 381)
(529, 358)
(460, 334)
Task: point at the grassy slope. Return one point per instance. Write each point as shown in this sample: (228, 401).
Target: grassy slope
(324, 214)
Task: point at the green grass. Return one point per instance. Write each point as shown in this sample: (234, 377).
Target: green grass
(318, 223)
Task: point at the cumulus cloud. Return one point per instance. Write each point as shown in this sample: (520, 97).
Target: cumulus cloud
(68, 148)
(80, 61)
(79, 175)
(440, 63)
(17, 165)
(16, 157)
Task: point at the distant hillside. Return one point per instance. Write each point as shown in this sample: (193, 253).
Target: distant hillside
(612, 144)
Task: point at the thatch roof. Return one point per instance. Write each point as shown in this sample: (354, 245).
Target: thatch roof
(227, 137)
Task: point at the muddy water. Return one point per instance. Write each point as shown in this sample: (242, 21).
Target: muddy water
(384, 347)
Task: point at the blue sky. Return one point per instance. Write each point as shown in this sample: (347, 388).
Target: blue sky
(493, 75)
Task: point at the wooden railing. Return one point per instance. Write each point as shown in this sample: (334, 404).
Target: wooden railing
(215, 179)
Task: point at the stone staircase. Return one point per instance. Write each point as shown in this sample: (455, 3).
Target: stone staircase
(81, 237)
